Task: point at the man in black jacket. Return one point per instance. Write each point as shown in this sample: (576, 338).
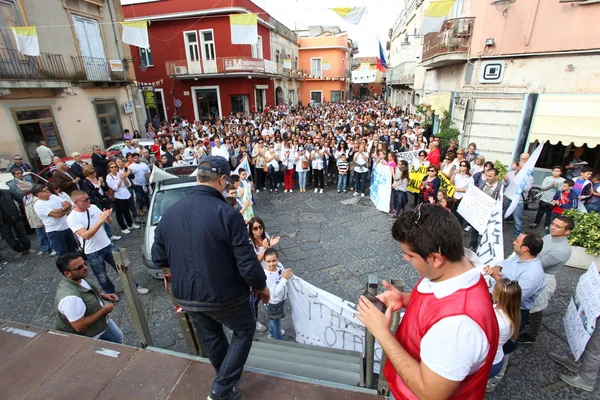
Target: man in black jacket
(100, 162)
(12, 225)
(213, 266)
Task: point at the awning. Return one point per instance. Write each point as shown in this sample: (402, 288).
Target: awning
(567, 118)
(438, 102)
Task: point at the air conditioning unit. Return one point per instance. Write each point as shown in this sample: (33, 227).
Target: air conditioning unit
(181, 70)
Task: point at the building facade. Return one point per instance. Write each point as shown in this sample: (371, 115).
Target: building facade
(370, 89)
(76, 93)
(326, 55)
(200, 72)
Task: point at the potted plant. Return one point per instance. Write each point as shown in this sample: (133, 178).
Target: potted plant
(584, 239)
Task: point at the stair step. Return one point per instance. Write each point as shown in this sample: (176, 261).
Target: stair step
(314, 371)
(309, 350)
(280, 353)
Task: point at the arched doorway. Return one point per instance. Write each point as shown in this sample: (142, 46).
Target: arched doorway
(279, 96)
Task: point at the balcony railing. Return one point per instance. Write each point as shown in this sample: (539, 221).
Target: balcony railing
(99, 70)
(221, 65)
(455, 37)
(403, 74)
(17, 66)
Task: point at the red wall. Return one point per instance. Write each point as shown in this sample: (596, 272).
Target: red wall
(167, 44)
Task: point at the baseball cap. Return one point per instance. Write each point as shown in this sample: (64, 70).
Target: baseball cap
(218, 165)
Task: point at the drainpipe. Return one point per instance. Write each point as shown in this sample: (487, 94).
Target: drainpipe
(112, 11)
(532, 23)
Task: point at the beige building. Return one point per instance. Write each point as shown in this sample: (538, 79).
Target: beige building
(76, 93)
(510, 72)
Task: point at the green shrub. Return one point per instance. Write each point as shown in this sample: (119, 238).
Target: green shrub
(447, 131)
(586, 233)
(502, 170)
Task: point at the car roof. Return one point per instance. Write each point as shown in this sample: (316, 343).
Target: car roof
(175, 183)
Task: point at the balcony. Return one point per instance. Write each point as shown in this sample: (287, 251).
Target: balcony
(403, 74)
(93, 71)
(450, 45)
(222, 66)
(20, 71)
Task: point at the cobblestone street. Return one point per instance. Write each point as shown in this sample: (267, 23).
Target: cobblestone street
(328, 241)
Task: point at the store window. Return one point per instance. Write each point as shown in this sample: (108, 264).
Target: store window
(109, 121)
(38, 124)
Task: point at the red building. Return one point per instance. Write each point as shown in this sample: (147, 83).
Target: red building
(199, 70)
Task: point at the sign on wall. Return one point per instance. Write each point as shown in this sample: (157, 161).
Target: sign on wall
(241, 64)
(492, 71)
(116, 65)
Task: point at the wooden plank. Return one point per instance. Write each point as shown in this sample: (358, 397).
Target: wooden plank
(85, 374)
(195, 383)
(21, 375)
(148, 375)
(15, 337)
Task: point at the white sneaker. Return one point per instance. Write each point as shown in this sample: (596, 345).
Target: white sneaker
(316, 190)
(53, 254)
(30, 251)
(260, 327)
(285, 191)
(291, 190)
(355, 194)
(125, 231)
(321, 191)
(114, 238)
(41, 252)
(282, 332)
(134, 226)
(142, 290)
(257, 190)
(468, 228)
(362, 195)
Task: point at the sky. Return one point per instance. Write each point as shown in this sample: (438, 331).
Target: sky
(380, 17)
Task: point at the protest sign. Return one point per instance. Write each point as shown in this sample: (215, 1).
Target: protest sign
(381, 187)
(408, 156)
(476, 207)
(322, 319)
(491, 247)
(416, 176)
(583, 310)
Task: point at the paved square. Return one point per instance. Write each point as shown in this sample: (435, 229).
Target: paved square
(326, 239)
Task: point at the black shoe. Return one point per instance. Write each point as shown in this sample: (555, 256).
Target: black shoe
(526, 338)
(235, 394)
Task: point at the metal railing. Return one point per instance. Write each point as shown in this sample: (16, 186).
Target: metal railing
(403, 74)
(454, 37)
(46, 66)
(220, 65)
(99, 70)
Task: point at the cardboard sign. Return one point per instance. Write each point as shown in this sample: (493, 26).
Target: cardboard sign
(381, 187)
(476, 207)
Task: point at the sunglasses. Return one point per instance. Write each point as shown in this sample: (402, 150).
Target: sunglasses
(507, 283)
(257, 228)
(463, 165)
(83, 200)
(431, 170)
(18, 159)
(44, 189)
(113, 166)
(79, 268)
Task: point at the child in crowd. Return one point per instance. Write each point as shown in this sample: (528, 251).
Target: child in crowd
(583, 186)
(565, 199)
(244, 194)
(550, 186)
(593, 205)
(277, 279)
(342, 166)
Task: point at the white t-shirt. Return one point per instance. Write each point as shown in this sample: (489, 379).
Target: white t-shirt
(73, 307)
(462, 182)
(505, 333)
(45, 154)
(121, 192)
(43, 209)
(220, 151)
(454, 347)
(277, 285)
(139, 171)
(78, 220)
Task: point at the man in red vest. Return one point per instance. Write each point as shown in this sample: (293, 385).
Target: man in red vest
(445, 345)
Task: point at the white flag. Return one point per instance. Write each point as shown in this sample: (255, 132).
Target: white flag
(515, 188)
(135, 33)
(352, 15)
(27, 40)
(244, 28)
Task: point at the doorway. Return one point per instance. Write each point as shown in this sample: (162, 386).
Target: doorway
(192, 52)
(363, 91)
(35, 125)
(260, 98)
(209, 59)
(91, 48)
(239, 103)
(279, 100)
(207, 102)
(109, 121)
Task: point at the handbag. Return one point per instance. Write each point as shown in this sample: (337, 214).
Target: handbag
(266, 168)
(276, 311)
(304, 164)
(81, 249)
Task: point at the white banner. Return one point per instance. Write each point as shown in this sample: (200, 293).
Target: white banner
(381, 187)
(408, 156)
(476, 207)
(515, 188)
(244, 164)
(491, 247)
(583, 311)
(322, 319)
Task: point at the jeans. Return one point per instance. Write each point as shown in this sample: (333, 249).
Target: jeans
(44, 241)
(275, 329)
(272, 178)
(112, 333)
(228, 359)
(496, 368)
(400, 199)
(302, 179)
(544, 208)
(318, 175)
(96, 261)
(108, 229)
(21, 242)
(142, 197)
(361, 182)
(123, 213)
(590, 360)
(62, 242)
(518, 216)
(342, 182)
(593, 208)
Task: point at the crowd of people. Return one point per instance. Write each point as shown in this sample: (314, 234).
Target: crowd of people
(462, 348)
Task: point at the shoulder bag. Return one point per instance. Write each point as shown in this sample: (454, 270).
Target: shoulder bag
(81, 250)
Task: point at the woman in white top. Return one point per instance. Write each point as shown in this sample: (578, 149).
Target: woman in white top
(478, 165)
(272, 160)
(507, 305)
(448, 166)
(361, 167)
(190, 152)
(317, 157)
(287, 157)
(420, 161)
(119, 182)
(302, 167)
(461, 180)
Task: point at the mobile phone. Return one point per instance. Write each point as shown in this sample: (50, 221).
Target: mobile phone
(376, 302)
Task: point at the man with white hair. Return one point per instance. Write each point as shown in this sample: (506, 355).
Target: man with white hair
(77, 166)
(64, 179)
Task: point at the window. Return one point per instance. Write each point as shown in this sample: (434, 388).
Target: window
(277, 56)
(109, 121)
(146, 58)
(316, 67)
(209, 45)
(257, 49)
(9, 16)
(336, 96)
(316, 96)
